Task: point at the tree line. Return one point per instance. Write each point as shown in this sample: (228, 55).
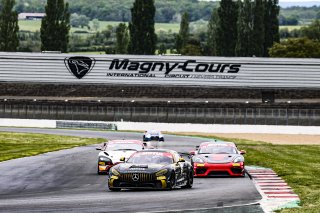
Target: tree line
(167, 10)
(305, 44)
(235, 28)
(55, 26)
(119, 10)
(244, 28)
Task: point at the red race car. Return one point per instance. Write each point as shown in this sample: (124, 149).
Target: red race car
(218, 159)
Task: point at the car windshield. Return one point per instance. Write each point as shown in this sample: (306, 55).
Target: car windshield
(148, 158)
(123, 147)
(217, 150)
(153, 132)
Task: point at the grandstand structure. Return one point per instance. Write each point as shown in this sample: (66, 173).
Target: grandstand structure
(174, 89)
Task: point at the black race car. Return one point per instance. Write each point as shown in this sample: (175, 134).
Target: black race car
(156, 169)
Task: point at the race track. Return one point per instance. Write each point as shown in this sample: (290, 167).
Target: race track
(66, 181)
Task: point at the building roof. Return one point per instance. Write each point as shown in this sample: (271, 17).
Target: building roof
(30, 15)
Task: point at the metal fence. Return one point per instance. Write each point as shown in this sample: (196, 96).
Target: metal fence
(261, 116)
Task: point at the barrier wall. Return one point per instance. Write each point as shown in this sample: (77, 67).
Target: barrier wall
(27, 123)
(196, 113)
(205, 128)
(232, 72)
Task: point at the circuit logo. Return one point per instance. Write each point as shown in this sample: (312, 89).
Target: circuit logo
(167, 67)
(79, 66)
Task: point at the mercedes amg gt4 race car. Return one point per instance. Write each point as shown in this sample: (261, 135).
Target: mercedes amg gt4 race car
(155, 169)
(112, 151)
(218, 159)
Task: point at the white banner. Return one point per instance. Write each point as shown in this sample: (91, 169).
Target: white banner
(160, 70)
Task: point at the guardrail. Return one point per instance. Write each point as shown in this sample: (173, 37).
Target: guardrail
(258, 115)
(78, 124)
(176, 127)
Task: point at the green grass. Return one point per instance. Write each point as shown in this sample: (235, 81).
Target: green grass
(298, 165)
(18, 145)
(159, 26)
(29, 25)
(290, 28)
(174, 27)
(34, 25)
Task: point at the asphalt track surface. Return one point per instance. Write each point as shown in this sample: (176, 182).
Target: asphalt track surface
(66, 181)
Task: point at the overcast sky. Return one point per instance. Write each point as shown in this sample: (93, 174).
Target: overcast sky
(299, 0)
(291, 2)
(284, 0)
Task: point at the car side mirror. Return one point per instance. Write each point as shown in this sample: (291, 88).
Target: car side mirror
(192, 152)
(102, 145)
(182, 160)
(242, 152)
(122, 159)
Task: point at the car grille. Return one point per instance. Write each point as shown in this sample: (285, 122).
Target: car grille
(201, 170)
(219, 173)
(237, 170)
(142, 177)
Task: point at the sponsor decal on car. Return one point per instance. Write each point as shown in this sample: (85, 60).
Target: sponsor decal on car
(166, 154)
(138, 169)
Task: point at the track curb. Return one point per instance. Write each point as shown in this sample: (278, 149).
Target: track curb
(276, 193)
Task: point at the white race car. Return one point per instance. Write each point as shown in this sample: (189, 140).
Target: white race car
(152, 135)
(112, 151)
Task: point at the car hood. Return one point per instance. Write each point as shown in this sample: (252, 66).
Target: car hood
(116, 155)
(219, 158)
(139, 168)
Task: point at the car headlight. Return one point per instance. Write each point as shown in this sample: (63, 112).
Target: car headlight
(198, 160)
(161, 172)
(238, 159)
(104, 159)
(114, 172)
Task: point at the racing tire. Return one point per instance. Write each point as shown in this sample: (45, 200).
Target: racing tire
(98, 172)
(189, 183)
(114, 189)
(172, 181)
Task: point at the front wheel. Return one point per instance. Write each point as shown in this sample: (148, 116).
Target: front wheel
(189, 183)
(172, 181)
(114, 189)
(98, 171)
